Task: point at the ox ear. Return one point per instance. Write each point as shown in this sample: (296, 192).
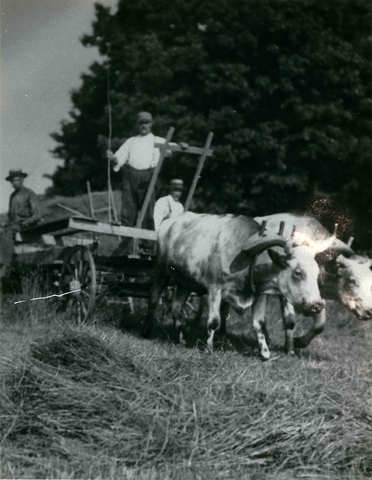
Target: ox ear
(342, 262)
(240, 262)
(278, 259)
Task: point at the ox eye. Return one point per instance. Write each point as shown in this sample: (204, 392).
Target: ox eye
(352, 281)
(298, 274)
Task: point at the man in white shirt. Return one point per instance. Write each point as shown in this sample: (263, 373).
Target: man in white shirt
(170, 205)
(138, 157)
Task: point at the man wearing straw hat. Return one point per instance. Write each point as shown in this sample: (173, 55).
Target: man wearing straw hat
(24, 211)
(170, 205)
(138, 157)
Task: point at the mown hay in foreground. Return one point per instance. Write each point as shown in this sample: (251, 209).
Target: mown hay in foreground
(83, 406)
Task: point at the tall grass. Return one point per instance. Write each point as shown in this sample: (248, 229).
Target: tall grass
(93, 402)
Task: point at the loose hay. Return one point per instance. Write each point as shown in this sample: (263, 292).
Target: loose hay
(80, 356)
(94, 410)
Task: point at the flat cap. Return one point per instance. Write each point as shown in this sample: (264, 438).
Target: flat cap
(144, 117)
(176, 183)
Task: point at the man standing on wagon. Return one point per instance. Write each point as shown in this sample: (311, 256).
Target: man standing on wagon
(138, 156)
(24, 211)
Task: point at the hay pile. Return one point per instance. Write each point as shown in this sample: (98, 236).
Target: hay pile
(77, 397)
(81, 407)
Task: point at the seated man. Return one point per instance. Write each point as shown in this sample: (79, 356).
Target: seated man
(24, 211)
(169, 205)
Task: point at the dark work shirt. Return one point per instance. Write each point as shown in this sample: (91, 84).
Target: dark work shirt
(24, 205)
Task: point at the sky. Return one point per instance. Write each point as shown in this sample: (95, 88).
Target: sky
(42, 60)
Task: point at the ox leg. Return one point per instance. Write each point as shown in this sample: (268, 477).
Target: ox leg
(224, 315)
(214, 316)
(258, 309)
(224, 312)
(160, 282)
(178, 302)
(318, 327)
(289, 321)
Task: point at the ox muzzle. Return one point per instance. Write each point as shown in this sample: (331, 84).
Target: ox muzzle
(312, 308)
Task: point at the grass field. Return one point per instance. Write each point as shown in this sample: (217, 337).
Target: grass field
(100, 402)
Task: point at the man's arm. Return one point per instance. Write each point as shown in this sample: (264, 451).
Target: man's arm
(121, 156)
(35, 210)
(183, 145)
(161, 210)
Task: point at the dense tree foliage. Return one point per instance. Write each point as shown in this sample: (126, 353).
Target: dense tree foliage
(284, 85)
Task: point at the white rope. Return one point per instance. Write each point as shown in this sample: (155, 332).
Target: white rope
(109, 143)
(49, 296)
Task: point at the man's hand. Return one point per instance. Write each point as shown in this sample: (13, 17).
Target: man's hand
(111, 157)
(184, 145)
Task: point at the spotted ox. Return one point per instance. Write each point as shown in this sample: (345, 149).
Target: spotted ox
(213, 255)
(344, 276)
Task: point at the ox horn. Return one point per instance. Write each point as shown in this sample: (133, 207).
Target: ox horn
(342, 249)
(245, 257)
(325, 244)
(288, 247)
(264, 243)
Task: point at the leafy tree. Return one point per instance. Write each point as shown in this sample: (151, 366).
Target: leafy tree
(285, 87)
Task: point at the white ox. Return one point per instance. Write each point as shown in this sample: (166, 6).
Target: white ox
(213, 255)
(344, 276)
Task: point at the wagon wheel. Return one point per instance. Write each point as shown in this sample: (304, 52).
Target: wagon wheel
(79, 273)
(192, 310)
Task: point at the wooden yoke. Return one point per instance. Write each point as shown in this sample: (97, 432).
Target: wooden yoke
(167, 147)
(206, 152)
(203, 152)
(163, 151)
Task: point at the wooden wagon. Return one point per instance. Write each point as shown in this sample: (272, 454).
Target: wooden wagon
(82, 256)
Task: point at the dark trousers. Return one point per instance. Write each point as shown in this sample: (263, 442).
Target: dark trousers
(7, 244)
(135, 185)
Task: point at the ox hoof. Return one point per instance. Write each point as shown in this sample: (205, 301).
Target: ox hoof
(300, 342)
(265, 355)
(289, 350)
(209, 348)
(181, 339)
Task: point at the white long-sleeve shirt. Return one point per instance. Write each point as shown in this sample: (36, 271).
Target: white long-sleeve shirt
(139, 152)
(166, 207)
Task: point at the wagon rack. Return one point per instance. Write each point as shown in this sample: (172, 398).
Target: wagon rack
(83, 256)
